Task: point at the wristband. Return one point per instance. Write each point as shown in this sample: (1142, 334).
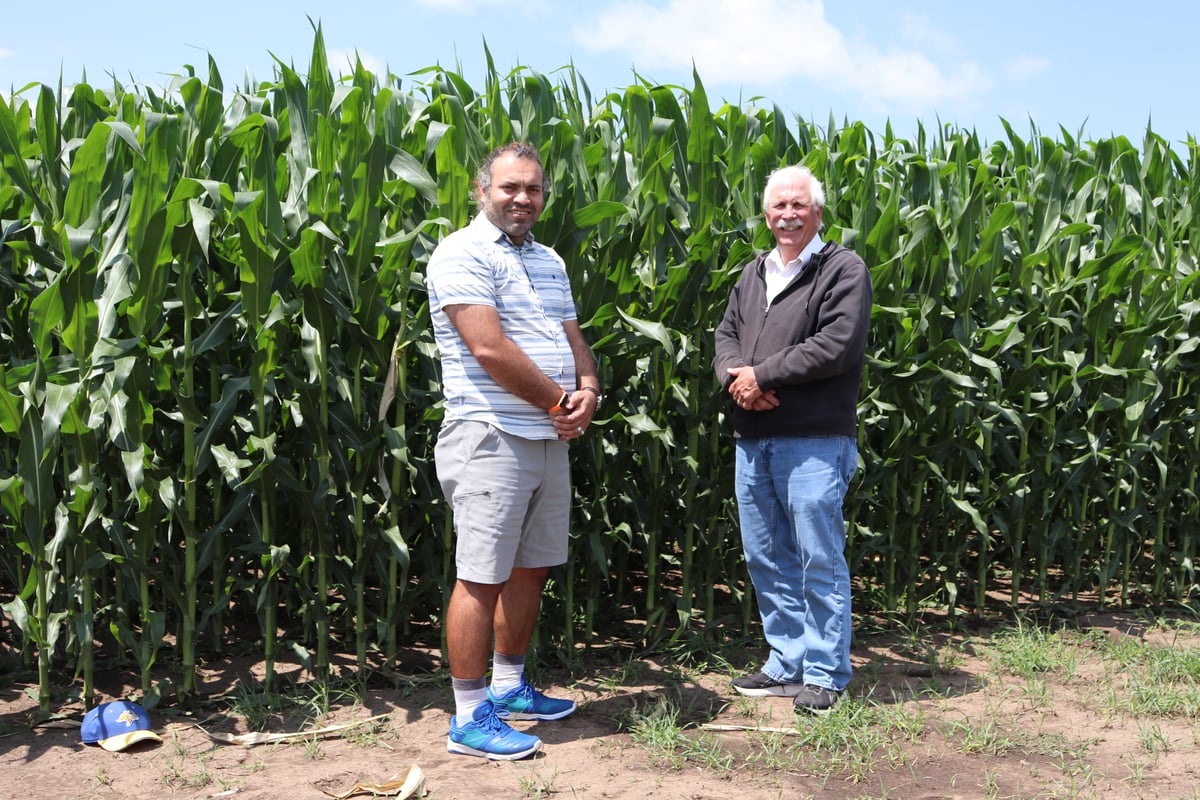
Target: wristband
(560, 405)
(595, 391)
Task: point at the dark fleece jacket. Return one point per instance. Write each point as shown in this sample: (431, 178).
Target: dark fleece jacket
(809, 346)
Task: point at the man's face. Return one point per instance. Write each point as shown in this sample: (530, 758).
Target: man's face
(791, 216)
(515, 200)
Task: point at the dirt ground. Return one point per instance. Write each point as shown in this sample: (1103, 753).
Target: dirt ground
(928, 718)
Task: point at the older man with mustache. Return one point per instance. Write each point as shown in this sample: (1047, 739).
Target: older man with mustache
(790, 352)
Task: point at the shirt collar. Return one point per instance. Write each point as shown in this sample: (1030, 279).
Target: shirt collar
(775, 261)
(497, 234)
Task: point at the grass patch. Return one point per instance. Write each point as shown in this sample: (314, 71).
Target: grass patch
(657, 729)
(1029, 651)
(1151, 680)
(310, 700)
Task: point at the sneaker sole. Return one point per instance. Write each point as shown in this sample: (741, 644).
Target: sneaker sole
(462, 749)
(511, 715)
(820, 712)
(783, 690)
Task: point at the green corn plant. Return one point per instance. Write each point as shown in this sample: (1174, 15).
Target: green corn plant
(219, 390)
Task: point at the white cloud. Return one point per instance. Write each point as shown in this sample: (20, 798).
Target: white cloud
(457, 5)
(726, 39)
(779, 44)
(512, 16)
(908, 80)
(6, 53)
(1025, 67)
(918, 30)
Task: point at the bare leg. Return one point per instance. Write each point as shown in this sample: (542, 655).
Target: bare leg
(469, 621)
(516, 612)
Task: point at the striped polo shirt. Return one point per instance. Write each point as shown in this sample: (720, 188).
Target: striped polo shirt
(528, 287)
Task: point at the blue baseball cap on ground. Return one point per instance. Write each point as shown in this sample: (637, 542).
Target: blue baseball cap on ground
(116, 725)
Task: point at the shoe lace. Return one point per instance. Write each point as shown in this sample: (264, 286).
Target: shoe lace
(526, 691)
(492, 723)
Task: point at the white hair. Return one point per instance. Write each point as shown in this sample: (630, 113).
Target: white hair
(816, 192)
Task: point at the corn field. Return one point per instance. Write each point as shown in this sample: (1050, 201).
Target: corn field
(219, 391)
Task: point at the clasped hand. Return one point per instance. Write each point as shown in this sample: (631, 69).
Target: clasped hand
(746, 392)
(577, 413)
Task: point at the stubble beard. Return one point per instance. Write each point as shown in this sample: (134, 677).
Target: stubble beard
(516, 228)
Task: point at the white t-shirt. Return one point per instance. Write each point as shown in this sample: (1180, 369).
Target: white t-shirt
(779, 275)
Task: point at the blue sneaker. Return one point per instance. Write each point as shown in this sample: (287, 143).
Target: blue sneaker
(526, 702)
(488, 736)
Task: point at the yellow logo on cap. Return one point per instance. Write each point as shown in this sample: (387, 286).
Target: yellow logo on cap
(127, 717)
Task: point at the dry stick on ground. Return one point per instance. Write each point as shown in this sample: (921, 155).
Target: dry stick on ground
(258, 737)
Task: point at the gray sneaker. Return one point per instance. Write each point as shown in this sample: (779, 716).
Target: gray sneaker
(761, 685)
(815, 699)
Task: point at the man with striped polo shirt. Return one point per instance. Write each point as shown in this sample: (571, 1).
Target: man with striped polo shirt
(520, 383)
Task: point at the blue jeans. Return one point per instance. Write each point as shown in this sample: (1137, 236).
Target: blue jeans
(790, 492)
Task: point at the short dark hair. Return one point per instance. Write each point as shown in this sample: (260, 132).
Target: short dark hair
(483, 179)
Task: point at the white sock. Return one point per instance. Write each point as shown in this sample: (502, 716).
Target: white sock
(507, 672)
(467, 699)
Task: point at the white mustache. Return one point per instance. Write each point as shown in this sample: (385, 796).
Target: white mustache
(789, 224)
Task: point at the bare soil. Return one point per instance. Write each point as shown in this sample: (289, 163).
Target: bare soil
(939, 720)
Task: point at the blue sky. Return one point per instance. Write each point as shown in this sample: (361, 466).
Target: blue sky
(1100, 68)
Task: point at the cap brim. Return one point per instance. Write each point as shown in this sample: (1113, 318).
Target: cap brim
(123, 740)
